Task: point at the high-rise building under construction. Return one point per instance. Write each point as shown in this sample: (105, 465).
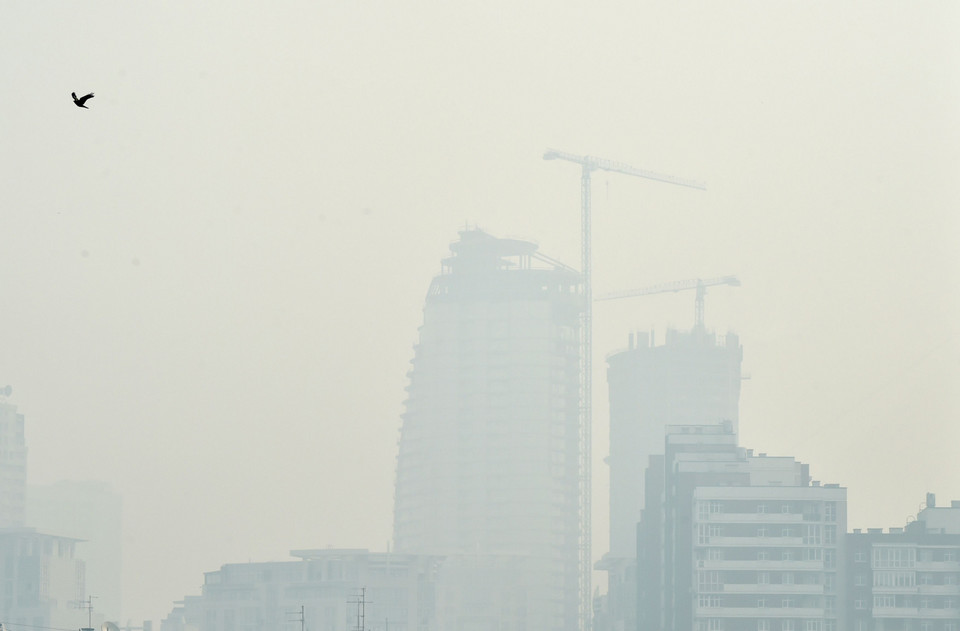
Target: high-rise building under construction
(691, 379)
(488, 464)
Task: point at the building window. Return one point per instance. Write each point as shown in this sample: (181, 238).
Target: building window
(828, 583)
(787, 625)
(860, 557)
(812, 554)
(860, 580)
(786, 532)
(829, 559)
(949, 579)
(715, 554)
(703, 534)
(925, 579)
(813, 625)
(829, 625)
(830, 511)
(787, 578)
(763, 578)
(787, 555)
(889, 557)
(884, 601)
(785, 508)
(926, 625)
(762, 508)
(761, 532)
(763, 625)
(859, 604)
(829, 535)
(948, 603)
(789, 603)
(714, 624)
(763, 555)
(811, 535)
(761, 603)
(950, 555)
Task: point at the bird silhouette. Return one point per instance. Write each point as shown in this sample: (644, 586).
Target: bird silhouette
(83, 99)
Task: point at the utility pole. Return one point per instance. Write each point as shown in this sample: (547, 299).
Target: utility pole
(88, 605)
(588, 165)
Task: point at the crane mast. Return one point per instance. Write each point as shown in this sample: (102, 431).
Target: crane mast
(588, 164)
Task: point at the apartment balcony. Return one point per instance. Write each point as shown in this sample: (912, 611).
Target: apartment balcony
(937, 566)
(756, 542)
(897, 612)
(940, 614)
(944, 590)
(754, 518)
(887, 589)
(760, 566)
(759, 612)
(772, 588)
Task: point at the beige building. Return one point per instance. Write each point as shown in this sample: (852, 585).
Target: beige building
(41, 581)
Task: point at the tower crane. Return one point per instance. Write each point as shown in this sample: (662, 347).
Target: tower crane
(695, 283)
(589, 164)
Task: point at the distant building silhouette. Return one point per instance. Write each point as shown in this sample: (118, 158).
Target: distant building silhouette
(13, 465)
(399, 594)
(89, 511)
(693, 378)
(41, 581)
(487, 471)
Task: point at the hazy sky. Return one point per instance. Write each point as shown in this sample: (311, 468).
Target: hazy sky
(212, 279)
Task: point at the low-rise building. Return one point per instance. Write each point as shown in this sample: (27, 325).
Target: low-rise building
(41, 581)
(331, 589)
(907, 578)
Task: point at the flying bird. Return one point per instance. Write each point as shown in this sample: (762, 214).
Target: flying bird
(83, 99)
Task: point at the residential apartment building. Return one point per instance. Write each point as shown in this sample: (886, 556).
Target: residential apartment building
(732, 541)
(489, 452)
(907, 578)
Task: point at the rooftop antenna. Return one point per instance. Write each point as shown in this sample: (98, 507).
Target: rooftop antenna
(361, 603)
